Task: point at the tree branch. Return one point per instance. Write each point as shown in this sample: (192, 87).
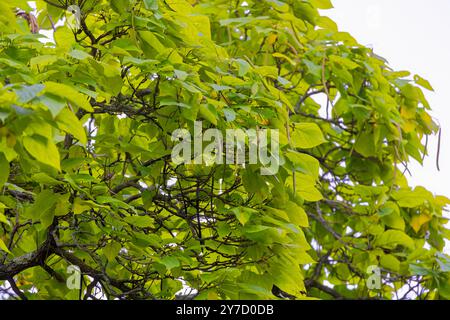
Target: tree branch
(16, 290)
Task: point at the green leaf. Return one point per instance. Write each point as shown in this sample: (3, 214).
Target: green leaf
(3, 247)
(243, 66)
(43, 61)
(3, 218)
(217, 87)
(309, 193)
(229, 114)
(243, 214)
(152, 40)
(206, 113)
(395, 221)
(4, 170)
(417, 221)
(147, 240)
(307, 136)
(28, 93)
(411, 199)
(279, 5)
(288, 276)
(64, 38)
(256, 228)
(80, 206)
(277, 214)
(241, 21)
(423, 83)
(181, 75)
(111, 250)
(344, 62)
(54, 103)
(327, 23)
(45, 179)
(69, 93)
(297, 214)
(120, 6)
(305, 187)
(62, 208)
(170, 262)
(390, 262)
(69, 123)
(313, 68)
(151, 4)
(79, 54)
(444, 262)
(419, 270)
(365, 145)
(111, 200)
(393, 238)
(304, 163)
(233, 81)
(43, 208)
(322, 4)
(139, 221)
(42, 150)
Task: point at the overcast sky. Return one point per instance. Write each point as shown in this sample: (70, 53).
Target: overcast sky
(412, 35)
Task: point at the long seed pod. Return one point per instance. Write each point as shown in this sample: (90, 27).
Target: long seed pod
(31, 19)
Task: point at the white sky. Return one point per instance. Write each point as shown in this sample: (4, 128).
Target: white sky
(412, 35)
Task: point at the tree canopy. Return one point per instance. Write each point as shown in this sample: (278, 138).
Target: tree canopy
(87, 177)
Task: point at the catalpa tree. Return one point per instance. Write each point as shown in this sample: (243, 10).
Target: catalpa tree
(90, 186)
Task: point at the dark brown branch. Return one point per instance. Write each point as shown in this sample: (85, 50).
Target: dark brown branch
(328, 290)
(53, 273)
(319, 218)
(88, 270)
(16, 290)
(29, 260)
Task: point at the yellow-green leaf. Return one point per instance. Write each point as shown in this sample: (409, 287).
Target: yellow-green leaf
(69, 123)
(297, 214)
(305, 187)
(390, 262)
(3, 247)
(392, 238)
(69, 93)
(322, 4)
(42, 150)
(304, 163)
(307, 136)
(423, 83)
(4, 169)
(111, 250)
(208, 114)
(419, 220)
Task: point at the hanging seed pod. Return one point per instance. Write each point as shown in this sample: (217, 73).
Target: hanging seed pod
(31, 19)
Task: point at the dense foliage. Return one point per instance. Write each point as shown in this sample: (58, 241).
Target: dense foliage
(87, 176)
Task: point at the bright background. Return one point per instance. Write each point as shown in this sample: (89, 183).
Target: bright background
(412, 35)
